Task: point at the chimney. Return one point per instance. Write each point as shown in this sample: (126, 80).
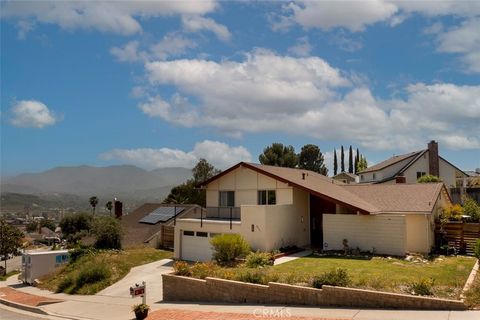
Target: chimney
(118, 209)
(433, 164)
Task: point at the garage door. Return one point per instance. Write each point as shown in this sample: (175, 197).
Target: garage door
(196, 246)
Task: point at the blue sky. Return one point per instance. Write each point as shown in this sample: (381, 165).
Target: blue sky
(161, 84)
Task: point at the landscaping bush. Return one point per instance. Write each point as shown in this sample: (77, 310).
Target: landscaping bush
(423, 287)
(428, 179)
(182, 268)
(66, 283)
(202, 270)
(337, 277)
(108, 233)
(228, 247)
(472, 209)
(476, 250)
(259, 259)
(92, 273)
(452, 213)
(260, 276)
(79, 252)
(288, 249)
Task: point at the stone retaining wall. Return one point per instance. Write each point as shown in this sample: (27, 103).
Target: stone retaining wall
(177, 288)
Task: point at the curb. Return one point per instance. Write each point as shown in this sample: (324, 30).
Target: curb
(470, 279)
(22, 306)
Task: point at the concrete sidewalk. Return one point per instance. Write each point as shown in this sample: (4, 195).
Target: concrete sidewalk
(292, 257)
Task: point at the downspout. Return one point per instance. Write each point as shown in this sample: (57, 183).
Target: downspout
(428, 233)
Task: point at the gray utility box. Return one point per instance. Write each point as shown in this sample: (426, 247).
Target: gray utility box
(36, 264)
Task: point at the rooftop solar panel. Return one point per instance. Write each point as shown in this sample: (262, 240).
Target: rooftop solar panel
(161, 214)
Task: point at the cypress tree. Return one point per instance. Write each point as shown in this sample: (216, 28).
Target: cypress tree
(342, 160)
(357, 159)
(335, 164)
(350, 160)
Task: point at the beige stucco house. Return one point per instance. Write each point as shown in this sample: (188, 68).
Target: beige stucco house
(407, 168)
(273, 207)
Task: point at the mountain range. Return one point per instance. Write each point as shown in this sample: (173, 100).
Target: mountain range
(125, 182)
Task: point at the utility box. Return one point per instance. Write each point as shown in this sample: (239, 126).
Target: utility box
(36, 264)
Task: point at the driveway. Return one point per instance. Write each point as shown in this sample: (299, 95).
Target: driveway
(151, 273)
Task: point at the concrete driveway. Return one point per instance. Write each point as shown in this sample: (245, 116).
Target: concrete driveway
(151, 273)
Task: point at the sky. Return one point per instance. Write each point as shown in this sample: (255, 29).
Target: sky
(163, 84)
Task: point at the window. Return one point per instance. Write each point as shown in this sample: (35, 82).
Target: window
(374, 177)
(188, 233)
(202, 234)
(362, 177)
(267, 197)
(420, 174)
(226, 199)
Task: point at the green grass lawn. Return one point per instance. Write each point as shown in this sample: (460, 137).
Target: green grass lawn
(94, 272)
(394, 275)
(472, 296)
(9, 274)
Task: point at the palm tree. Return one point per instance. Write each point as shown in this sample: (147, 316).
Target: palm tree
(109, 206)
(93, 202)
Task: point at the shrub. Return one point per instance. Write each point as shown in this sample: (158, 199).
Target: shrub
(423, 287)
(182, 268)
(476, 250)
(108, 233)
(472, 209)
(228, 247)
(259, 259)
(79, 252)
(337, 277)
(202, 270)
(428, 179)
(452, 212)
(66, 283)
(253, 276)
(92, 273)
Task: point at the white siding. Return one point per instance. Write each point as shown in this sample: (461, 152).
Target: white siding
(385, 233)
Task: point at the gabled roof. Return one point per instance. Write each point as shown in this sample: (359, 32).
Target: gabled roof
(419, 197)
(364, 198)
(348, 174)
(393, 160)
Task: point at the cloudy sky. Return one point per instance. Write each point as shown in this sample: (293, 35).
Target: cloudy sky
(161, 84)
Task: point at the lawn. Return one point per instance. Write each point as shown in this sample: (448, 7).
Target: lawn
(388, 274)
(472, 296)
(93, 272)
(9, 274)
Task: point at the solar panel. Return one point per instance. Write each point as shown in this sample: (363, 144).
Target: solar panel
(161, 214)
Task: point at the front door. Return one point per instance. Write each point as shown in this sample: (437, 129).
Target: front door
(318, 207)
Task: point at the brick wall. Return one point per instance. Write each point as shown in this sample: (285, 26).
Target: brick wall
(177, 288)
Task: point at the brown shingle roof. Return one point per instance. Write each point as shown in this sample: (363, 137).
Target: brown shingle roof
(391, 161)
(419, 197)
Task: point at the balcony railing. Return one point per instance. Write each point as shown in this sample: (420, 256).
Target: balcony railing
(214, 213)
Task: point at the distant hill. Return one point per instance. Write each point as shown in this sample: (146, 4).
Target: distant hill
(128, 183)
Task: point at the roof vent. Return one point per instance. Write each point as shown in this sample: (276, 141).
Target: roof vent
(303, 175)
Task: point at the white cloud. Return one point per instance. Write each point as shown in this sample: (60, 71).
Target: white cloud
(302, 48)
(220, 154)
(197, 23)
(306, 96)
(31, 114)
(129, 52)
(120, 17)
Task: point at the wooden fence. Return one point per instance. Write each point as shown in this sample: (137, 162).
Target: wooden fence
(168, 234)
(459, 235)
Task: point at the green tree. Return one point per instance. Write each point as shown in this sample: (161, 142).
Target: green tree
(10, 240)
(362, 164)
(279, 155)
(342, 160)
(75, 226)
(471, 208)
(357, 159)
(108, 233)
(109, 206)
(32, 226)
(93, 203)
(45, 223)
(203, 171)
(350, 160)
(428, 179)
(311, 158)
(335, 162)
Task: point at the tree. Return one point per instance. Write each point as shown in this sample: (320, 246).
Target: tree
(93, 202)
(342, 160)
(471, 208)
(350, 160)
(311, 158)
(362, 164)
(203, 171)
(45, 223)
(75, 226)
(428, 178)
(279, 155)
(108, 233)
(109, 206)
(335, 164)
(32, 226)
(10, 240)
(357, 159)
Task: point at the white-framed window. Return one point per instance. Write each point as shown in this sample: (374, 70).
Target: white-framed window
(226, 198)
(267, 197)
(420, 174)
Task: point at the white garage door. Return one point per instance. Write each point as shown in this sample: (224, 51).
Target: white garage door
(196, 246)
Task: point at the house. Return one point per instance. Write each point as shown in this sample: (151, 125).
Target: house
(273, 207)
(407, 168)
(152, 224)
(346, 177)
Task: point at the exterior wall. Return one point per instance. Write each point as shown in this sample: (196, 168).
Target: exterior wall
(177, 288)
(420, 235)
(246, 182)
(385, 233)
(448, 174)
(36, 264)
(421, 165)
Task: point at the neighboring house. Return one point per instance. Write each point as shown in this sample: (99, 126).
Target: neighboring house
(152, 224)
(273, 207)
(407, 168)
(346, 177)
